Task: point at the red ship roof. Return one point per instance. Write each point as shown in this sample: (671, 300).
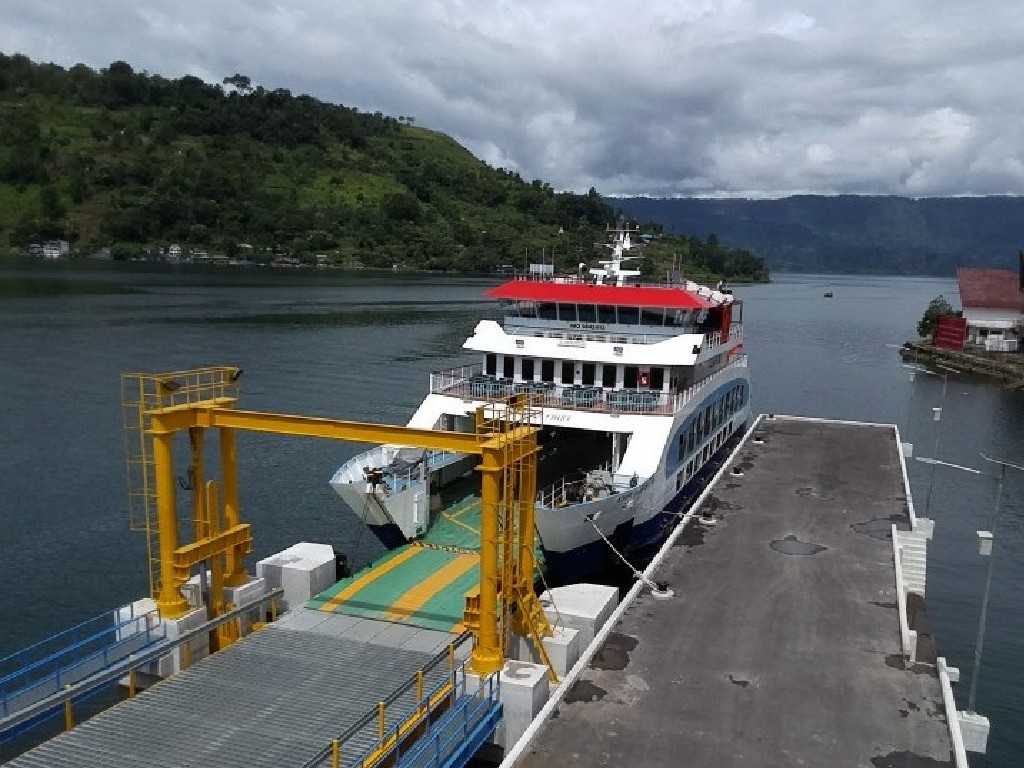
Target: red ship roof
(608, 295)
(990, 288)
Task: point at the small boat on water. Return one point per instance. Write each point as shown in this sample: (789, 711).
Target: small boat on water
(642, 389)
(828, 294)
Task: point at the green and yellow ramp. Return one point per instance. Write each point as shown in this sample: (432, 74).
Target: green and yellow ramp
(419, 584)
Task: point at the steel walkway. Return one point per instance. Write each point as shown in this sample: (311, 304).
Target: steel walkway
(275, 698)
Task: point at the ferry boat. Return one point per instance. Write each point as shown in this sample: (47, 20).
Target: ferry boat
(643, 391)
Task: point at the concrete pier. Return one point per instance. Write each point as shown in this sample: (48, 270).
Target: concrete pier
(782, 644)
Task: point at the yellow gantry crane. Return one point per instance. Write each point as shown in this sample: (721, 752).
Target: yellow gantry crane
(159, 406)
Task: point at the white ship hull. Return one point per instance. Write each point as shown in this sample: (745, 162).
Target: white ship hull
(577, 536)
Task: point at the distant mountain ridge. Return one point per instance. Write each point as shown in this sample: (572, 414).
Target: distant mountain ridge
(852, 234)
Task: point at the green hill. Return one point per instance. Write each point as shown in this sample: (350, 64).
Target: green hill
(135, 162)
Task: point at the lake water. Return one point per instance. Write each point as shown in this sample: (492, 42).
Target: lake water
(361, 347)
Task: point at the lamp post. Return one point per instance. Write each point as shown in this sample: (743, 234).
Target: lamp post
(986, 544)
(937, 418)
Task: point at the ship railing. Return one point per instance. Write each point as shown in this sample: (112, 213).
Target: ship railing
(470, 384)
(573, 487)
(397, 474)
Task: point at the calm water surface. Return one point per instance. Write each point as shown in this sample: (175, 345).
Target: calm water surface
(362, 346)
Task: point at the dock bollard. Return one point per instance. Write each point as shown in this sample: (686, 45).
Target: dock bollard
(69, 713)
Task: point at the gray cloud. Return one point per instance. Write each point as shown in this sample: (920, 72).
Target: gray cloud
(708, 97)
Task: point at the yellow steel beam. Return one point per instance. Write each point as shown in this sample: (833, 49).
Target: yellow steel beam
(176, 418)
(182, 417)
(510, 444)
(198, 551)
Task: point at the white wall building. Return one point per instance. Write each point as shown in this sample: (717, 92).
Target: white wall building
(993, 306)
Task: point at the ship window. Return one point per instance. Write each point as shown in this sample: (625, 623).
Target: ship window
(491, 366)
(568, 371)
(652, 316)
(629, 376)
(547, 370)
(546, 310)
(629, 315)
(508, 369)
(567, 312)
(608, 375)
(587, 378)
(657, 378)
(527, 369)
(527, 309)
(587, 313)
(605, 314)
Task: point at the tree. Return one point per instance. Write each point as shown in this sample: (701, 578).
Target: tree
(241, 83)
(937, 307)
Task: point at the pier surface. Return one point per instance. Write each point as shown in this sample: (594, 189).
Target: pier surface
(781, 646)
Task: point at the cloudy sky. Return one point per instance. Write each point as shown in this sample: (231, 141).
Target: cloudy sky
(658, 97)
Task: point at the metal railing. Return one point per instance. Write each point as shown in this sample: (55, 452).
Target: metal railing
(77, 661)
(465, 726)
(387, 742)
(53, 645)
(469, 382)
(908, 638)
(84, 687)
(572, 337)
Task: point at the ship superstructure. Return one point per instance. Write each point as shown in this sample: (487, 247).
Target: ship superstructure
(641, 388)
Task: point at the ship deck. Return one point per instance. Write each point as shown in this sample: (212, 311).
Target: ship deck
(781, 645)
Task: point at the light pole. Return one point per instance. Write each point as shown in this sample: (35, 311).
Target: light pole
(986, 549)
(987, 545)
(937, 418)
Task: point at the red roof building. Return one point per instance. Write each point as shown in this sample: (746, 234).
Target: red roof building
(993, 306)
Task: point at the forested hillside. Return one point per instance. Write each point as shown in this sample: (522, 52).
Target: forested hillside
(133, 162)
(129, 160)
(853, 234)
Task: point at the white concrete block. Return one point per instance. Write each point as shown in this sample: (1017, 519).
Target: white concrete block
(246, 593)
(135, 616)
(583, 607)
(199, 646)
(562, 648)
(524, 691)
(974, 728)
(304, 570)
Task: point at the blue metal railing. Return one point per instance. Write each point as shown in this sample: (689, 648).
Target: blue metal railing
(47, 647)
(457, 735)
(47, 668)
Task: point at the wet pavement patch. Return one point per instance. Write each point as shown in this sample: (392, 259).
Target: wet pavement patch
(692, 535)
(810, 493)
(791, 545)
(584, 690)
(877, 528)
(907, 760)
(614, 654)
